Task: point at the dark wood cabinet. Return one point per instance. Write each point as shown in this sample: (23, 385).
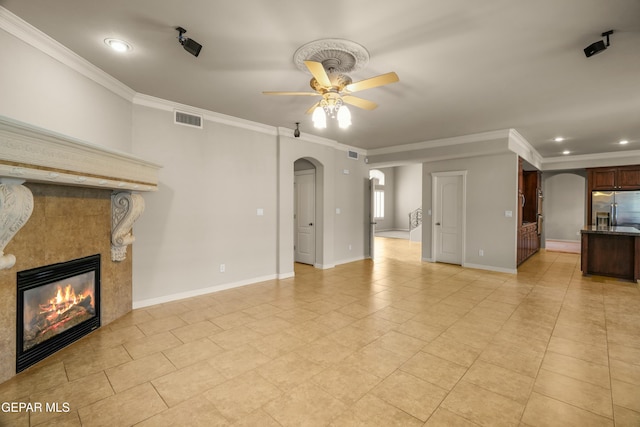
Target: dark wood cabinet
(611, 253)
(602, 178)
(614, 178)
(611, 179)
(528, 241)
(531, 192)
(529, 212)
(628, 178)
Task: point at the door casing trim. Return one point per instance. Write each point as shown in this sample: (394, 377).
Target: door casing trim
(434, 182)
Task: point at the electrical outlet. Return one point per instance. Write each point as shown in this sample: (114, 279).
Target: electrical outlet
(222, 268)
(349, 247)
(481, 252)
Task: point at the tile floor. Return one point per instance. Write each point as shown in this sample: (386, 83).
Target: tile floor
(395, 342)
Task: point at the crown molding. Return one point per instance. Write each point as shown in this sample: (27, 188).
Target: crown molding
(166, 105)
(519, 145)
(45, 44)
(618, 158)
(456, 140)
(307, 137)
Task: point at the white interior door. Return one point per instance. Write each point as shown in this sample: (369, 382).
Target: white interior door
(305, 216)
(448, 215)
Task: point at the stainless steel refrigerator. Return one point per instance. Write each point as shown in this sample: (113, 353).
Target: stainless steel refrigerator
(623, 207)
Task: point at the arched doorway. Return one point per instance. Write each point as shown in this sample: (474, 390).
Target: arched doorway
(304, 215)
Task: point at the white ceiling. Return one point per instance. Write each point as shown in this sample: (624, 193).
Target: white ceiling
(465, 66)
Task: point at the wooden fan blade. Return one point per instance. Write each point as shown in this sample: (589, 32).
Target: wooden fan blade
(292, 93)
(381, 80)
(313, 107)
(359, 102)
(318, 71)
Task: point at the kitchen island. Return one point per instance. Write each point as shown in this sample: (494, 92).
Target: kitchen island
(611, 251)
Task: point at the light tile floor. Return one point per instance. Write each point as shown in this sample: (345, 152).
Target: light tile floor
(391, 342)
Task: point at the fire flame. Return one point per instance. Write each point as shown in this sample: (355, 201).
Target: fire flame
(63, 301)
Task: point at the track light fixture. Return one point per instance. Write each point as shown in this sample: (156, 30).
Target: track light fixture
(296, 132)
(190, 45)
(598, 46)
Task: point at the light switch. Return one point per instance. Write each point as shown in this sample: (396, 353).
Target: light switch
(338, 211)
(260, 212)
(508, 214)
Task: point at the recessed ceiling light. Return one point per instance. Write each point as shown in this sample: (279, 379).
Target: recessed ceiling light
(623, 142)
(565, 152)
(558, 139)
(118, 45)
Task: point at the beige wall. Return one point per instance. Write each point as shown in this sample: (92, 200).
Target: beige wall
(37, 89)
(212, 183)
(67, 223)
(491, 190)
(564, 204)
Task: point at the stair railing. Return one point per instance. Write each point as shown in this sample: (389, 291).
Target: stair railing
(415, 218)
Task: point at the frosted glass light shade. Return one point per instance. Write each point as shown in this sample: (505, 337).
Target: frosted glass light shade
(344, 117)
(319, 118)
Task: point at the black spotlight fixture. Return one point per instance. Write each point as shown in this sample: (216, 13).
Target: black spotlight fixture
(296, 132)
(598, 46)
(190, 45)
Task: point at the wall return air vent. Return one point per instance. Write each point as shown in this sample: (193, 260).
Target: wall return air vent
(188, 119)
(352, 155)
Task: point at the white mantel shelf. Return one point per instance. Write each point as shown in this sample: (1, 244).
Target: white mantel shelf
(33, 154)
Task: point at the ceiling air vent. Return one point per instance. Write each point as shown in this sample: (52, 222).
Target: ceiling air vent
(352, 155)
(188, 119)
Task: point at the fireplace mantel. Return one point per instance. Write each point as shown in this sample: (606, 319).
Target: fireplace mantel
(32, 154)
(38, 155)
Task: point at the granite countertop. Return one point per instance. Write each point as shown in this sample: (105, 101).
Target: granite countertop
(619, 230)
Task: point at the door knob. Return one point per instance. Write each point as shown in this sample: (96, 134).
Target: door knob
(310, 224)
(437, 223)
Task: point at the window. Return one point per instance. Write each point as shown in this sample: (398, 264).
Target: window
(378, 204)
(379, 175)
(378, 193)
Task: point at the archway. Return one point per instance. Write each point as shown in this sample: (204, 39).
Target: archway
(305, 216)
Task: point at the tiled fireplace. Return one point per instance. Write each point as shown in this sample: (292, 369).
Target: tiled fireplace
(67, 224)
(81, 204)
(57, 305)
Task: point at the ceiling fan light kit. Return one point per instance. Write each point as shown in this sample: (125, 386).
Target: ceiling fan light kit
(329, 61)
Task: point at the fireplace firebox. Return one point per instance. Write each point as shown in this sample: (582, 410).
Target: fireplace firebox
(57, 305)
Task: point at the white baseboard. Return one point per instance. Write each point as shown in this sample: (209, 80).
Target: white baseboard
(324, 266)
(482, 267)
(286, 275)
(491, 268)
(200, 291)
(347, 261)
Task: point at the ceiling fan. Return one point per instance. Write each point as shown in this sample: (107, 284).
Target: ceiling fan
(336, 88)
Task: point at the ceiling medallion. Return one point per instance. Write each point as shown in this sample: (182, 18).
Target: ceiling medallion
(337, 55)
